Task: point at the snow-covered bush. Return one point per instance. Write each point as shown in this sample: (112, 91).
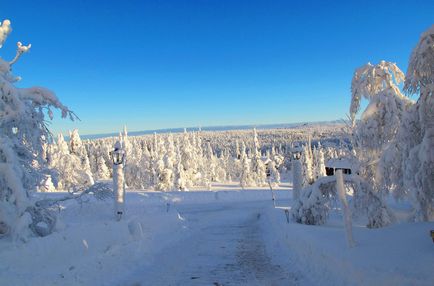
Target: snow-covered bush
(317, 200)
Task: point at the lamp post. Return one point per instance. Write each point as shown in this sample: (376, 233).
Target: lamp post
(297, 177)
(118, 157)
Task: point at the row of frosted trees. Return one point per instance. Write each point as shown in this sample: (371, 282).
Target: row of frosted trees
(167, 162)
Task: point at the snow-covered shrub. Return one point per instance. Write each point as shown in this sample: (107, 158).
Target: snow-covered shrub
(101, 190)
(317, 200)
(313, 207)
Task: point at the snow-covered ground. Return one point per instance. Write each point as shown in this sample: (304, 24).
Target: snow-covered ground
(224, 237)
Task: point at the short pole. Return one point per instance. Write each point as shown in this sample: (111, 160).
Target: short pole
(297, 179)
(347, 213)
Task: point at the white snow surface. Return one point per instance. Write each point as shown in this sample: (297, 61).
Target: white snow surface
(224, 237)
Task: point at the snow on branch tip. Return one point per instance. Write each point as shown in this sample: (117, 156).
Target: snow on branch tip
(5, 29)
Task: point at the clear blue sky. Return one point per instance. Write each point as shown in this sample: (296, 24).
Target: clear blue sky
(158, 64)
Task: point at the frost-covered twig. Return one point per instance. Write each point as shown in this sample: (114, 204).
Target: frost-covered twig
(21, 49)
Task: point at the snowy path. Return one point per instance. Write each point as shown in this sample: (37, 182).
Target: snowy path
(226, 247)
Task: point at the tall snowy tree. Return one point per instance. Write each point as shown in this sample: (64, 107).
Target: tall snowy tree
(408, 163)
(381, 119)
(23, 131)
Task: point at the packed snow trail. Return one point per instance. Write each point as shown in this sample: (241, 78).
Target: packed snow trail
(226, 247)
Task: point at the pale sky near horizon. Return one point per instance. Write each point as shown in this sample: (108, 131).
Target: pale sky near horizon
(166, 64)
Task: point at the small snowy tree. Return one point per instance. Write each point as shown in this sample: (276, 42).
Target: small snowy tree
(307, 165)
(319, 165)
(103, 172)
(246, 176)
(258, 167)
(77, 148)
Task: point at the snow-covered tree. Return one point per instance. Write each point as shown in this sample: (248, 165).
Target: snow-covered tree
(246, 179)
(67, 169)
(77, 148)
(307, 166)
(319, 165)
(258, 167)
(382, 117)
(23, 131)
(408, 163)
(103, 172)
(180, 177)
(209, 166)
(272, 171)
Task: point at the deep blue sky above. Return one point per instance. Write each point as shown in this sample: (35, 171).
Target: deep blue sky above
(158, 64)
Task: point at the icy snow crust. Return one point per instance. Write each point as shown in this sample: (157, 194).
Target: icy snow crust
(226, 237)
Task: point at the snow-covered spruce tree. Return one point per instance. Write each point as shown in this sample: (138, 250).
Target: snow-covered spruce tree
(77, 148)
(246, 179)
(408, 163)
(319, 165)
(188, 161)
(278, 160)
(179, 175)
(258, 166)
(198, 155)
(66, 168)
(209, 167)
(23, 132)
(307, 166)
(274, 175)
(103, 172)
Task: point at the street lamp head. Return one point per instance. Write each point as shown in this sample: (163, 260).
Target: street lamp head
(118, 154)
(296, 152)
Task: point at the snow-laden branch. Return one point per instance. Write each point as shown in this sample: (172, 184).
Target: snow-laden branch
(5, 29)
(370, 80)
(420, 70)
(21, 49)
